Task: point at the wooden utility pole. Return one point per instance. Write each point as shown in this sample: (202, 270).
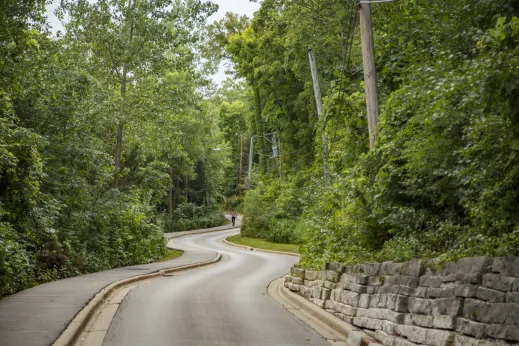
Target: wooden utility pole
(370, 72)
(241, 160)
(315, 79)
(251, 153)
(318, 102)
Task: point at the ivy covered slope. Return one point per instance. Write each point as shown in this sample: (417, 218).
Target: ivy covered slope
(107, 136)
(443, 179)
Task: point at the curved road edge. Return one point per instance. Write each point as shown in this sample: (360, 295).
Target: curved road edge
(333, 329)
(90, 312)
(261, 250)
(38, 316)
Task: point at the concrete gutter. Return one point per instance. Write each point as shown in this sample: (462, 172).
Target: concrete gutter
(332, 328)
(261, 250)
(78, 325)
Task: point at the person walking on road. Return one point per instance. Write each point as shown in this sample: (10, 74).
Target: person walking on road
(233, 217)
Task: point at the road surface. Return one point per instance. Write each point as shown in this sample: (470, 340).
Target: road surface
(222, 304)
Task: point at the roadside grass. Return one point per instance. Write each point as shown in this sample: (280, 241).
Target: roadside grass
(263, 244)
(170, 254)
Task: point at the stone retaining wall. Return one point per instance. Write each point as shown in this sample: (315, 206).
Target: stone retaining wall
(472, 302)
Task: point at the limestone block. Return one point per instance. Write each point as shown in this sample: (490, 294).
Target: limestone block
(348, 269)
(512, 297)
(475, 265)
(384, 338)
(474, 278)
(288, 278)
(389, 327)
(467, 291)
(318, 302)
(515, 286)
(321, 275)
(490, 295)
(413, 333)
(371, 269)
(355, 278)
(420, 306)
(439, 337)
(433, 292)
(390, 280)
(336, 294)
(298, 272)
(375, 280)
(494, 343)
(420, 292)
(338, 315)
(386, 268)
(344, 309)
(329, 305)
(450, 278)
(336, 267)
(450, 268)
(422, 320)
(507, 266)
(350, 286)
(350, 298)
(332, 276)
(397, 302)
(396, 269)
(493, 313)
(469, 327)
(412, 268)
(501, 331)
(297, 280)
(373, 289)
(348, 319)
(378, 301)
(406, 291)
(311, 275)
(325, 293)
(406, 280)
(330, 285)
(462, 340)
(316, 292)
(403, 342)
(447, 306)
(294, 288)
(498, 282)
(430, 281)
(444, 322)
(309, 283)
(389, 289)
(364, 300)
(370, 323)
(305, 291)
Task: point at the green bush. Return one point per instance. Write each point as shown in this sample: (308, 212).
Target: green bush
(188, 216)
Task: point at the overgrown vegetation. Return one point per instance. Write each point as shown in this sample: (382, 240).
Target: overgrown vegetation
(107, 135)
(443, 179)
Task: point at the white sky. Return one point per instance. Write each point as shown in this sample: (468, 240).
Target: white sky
(237, 6)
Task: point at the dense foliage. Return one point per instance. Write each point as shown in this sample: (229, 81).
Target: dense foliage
(443, 178)
(107, 135)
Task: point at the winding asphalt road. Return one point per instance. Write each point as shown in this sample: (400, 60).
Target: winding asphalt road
(222, 304)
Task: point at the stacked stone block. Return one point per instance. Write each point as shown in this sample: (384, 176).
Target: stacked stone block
(472, 302)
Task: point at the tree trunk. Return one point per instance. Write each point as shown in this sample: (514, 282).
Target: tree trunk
(170, 195)
(119, 141)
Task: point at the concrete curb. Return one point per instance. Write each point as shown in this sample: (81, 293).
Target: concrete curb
(174, 236)
(348, 333)
(261, 250)
(74, 329)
